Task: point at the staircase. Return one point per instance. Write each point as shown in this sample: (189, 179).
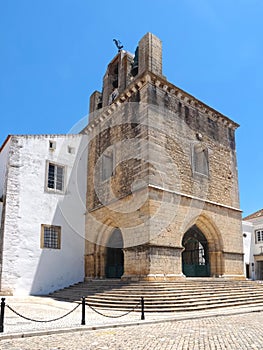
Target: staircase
(189, 295)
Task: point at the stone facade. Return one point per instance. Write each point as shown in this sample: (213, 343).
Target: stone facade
(161, 164)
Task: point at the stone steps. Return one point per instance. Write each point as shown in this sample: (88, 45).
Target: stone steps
(188, 295)
(149, 289)
(157, 294)
(162, 307)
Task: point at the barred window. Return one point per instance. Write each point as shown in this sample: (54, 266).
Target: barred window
(55, 177)
(259, 236)
(50, 236)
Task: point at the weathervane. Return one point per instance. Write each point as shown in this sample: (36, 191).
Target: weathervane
(118, 44)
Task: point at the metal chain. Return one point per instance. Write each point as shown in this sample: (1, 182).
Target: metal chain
(43, 321)
(100, 313)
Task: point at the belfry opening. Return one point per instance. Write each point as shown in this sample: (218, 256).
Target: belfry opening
(195, 257)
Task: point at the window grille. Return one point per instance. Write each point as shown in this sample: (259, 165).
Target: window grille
(50, 236)
(259, 236)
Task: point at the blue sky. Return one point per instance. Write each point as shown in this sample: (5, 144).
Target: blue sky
(54, 54)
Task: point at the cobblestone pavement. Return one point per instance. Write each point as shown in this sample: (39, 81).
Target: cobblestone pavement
(212, 333)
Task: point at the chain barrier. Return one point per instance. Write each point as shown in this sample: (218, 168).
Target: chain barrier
(41, 321)
(83, 321)
(118, 316)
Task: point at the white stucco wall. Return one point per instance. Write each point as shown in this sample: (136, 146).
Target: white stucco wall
(3, 165)
(247, 229)
(28, 269)
(257, 225)
(257, 248)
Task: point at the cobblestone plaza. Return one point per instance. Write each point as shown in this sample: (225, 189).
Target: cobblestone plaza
(222, 332)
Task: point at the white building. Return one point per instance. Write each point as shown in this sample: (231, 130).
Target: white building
(253, 245)
(42, 204)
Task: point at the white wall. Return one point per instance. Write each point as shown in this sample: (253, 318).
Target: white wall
(257, 224)
(3, 165)
(247, 229)
(28, 269)
(257, 257)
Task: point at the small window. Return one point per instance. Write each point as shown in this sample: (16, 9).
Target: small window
(50, 236)
(52, 145)
(55, 177)
(259, 236)
(179, 107)
(200, 160)
(186, 111)
(187, 114)
(71, 150)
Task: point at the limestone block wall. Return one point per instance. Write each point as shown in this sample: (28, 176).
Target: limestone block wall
(221, 227)
(176, 127)
(150, 54)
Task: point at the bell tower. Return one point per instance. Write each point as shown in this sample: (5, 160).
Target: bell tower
(162, 174)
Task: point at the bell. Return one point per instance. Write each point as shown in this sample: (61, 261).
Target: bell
(134, 70)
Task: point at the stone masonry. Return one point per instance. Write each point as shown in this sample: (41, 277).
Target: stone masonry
(161, 163)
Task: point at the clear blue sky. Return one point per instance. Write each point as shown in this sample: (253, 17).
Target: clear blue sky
(55, 52)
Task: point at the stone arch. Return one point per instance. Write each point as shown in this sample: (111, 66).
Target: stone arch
(215, 243)
(114, 259)
(195, 256)
(108, 251)
(104, 233)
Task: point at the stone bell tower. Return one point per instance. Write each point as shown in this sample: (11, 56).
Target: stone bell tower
(162, 198)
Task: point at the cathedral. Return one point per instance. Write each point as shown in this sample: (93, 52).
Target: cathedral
(162, 188)
(148, 190)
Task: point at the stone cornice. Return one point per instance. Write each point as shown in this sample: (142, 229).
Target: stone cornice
(169, 88)
(194, 198)
(189, 100)
(158, 188)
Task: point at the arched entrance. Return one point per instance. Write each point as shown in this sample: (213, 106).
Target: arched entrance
(114, 255)
(195, 257)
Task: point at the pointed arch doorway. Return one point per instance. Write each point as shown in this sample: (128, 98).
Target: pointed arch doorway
(195, 257)
(114, 266)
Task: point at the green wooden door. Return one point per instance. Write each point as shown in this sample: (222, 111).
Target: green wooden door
(195, 257)
(114, 265)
